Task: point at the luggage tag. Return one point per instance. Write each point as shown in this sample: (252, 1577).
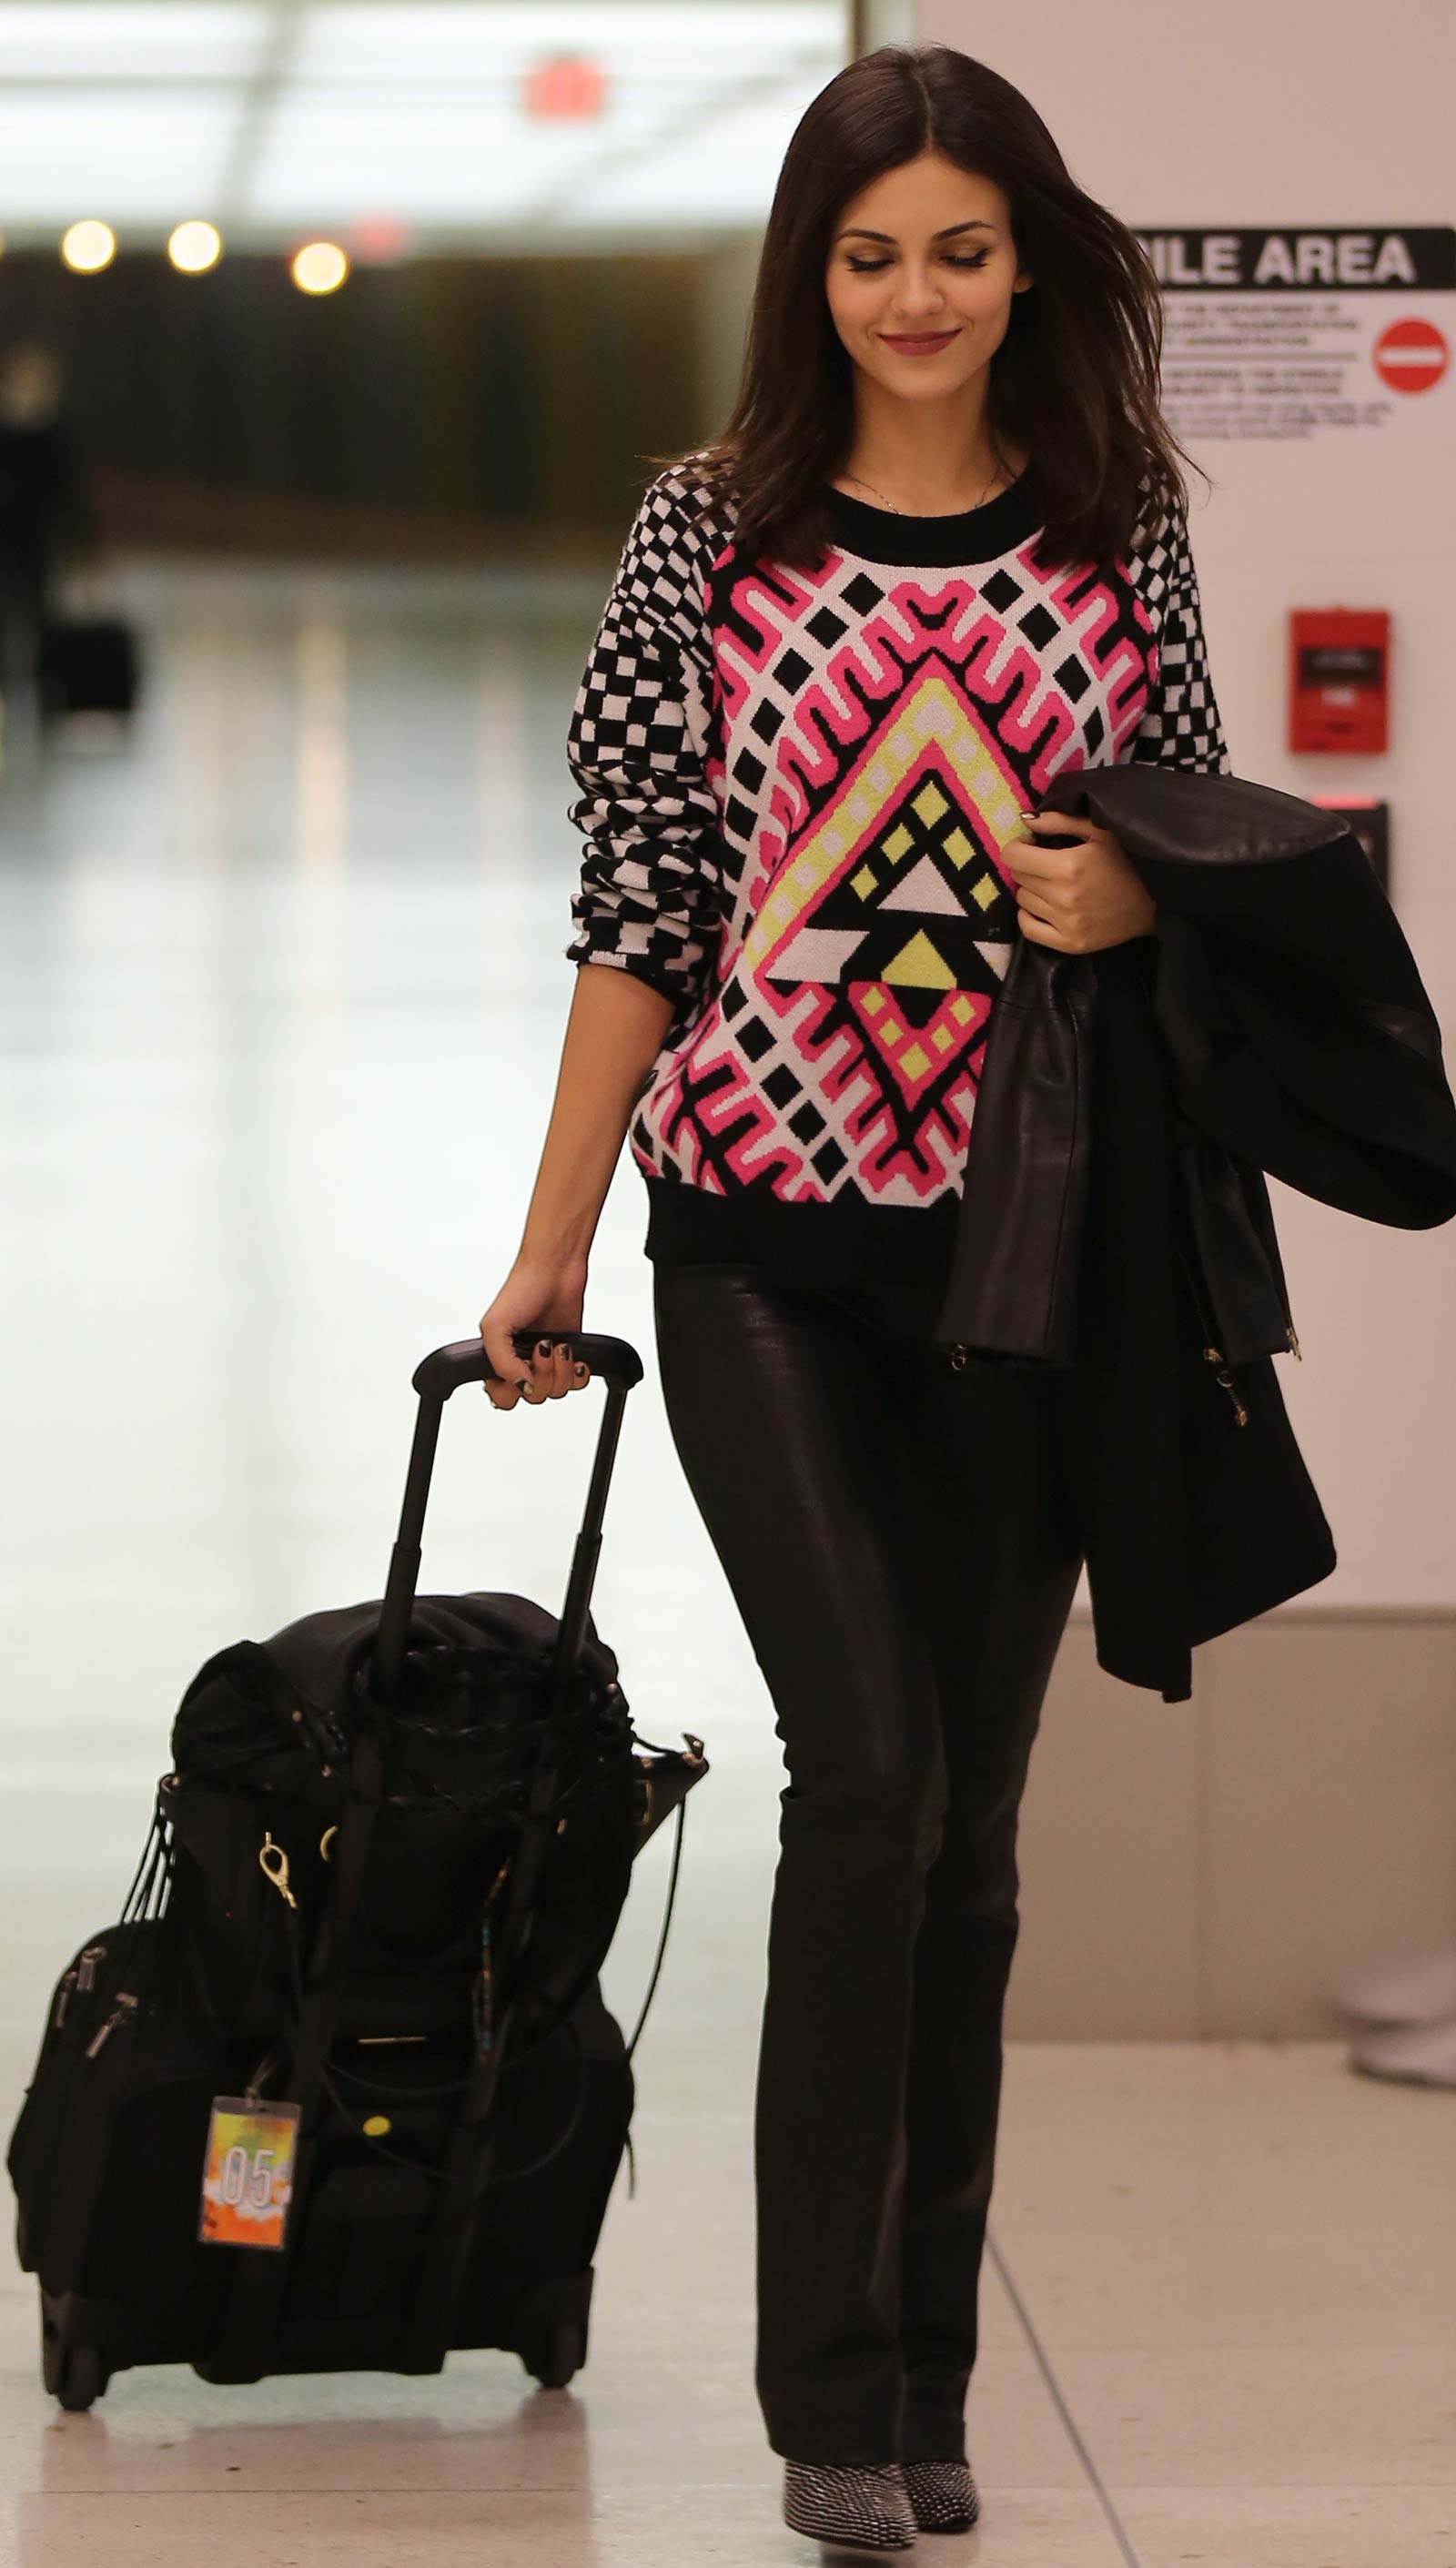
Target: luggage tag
(247, 2175)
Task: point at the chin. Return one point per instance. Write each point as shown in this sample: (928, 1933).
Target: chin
(918, 391)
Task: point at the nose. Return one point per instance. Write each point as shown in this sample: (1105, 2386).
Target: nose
(919, 297)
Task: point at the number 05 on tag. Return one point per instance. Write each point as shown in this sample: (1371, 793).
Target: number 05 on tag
(247, 2177)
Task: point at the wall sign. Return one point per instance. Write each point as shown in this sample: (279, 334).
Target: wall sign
(1302, 333)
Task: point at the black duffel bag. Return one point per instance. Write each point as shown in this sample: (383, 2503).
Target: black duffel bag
(261, 1752)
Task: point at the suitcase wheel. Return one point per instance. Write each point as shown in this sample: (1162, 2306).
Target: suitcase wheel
(83, 2379)
(556, 2355)
(73, 2373)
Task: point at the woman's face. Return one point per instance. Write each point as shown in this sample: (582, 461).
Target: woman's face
(925, 252)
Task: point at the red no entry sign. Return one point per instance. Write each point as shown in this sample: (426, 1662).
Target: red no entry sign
(1411, 356)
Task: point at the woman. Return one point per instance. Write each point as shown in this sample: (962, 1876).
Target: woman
(939, 553)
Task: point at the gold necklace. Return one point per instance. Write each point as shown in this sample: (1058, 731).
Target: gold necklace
(911, 512)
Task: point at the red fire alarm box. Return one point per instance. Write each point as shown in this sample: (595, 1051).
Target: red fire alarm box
(1339, 658)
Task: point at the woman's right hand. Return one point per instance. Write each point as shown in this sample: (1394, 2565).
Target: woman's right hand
(548, 1299)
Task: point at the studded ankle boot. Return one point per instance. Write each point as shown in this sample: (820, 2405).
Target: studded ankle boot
(861, 2507)
(943, 2495)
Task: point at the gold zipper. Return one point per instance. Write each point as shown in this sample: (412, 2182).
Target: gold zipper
(1211, 1353)
(1241, 1414)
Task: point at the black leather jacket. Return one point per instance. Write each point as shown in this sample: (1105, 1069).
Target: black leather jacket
(1298, 1039)
(1115, 1227)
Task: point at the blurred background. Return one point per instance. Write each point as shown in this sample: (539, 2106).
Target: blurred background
(337, 338)
(414, 282)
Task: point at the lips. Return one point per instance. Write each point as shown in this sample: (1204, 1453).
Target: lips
(922, 346)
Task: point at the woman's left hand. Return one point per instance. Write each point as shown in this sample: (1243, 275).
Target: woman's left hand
(1076, 898)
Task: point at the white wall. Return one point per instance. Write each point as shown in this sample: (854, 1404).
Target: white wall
(1321, 112)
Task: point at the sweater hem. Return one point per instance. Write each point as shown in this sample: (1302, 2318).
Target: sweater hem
(843, 1241)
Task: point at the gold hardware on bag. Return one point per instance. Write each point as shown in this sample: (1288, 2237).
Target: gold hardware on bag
(326, 1844)
(273, 1863)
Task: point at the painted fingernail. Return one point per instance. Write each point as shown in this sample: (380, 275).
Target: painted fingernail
(580, 1367)
(543, 1346)
(523, 1382)
(562, 1348)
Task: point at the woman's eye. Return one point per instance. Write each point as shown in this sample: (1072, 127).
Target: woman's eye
(871, 267)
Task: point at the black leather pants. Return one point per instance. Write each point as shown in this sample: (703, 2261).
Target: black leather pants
(900, 1544)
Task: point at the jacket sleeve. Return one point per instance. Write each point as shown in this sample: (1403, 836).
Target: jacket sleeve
(1181, 725)
(649, 897)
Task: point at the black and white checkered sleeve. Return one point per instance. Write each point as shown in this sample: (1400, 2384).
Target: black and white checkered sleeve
(649, 894)
(1181, 726)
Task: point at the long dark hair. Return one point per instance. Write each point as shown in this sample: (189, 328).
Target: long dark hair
(1074, 381)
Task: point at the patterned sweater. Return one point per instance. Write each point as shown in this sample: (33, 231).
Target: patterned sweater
(794, 788)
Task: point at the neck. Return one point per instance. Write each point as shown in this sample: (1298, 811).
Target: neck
(930, 457)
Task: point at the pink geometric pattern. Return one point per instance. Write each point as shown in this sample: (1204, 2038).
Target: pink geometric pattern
(865, 738)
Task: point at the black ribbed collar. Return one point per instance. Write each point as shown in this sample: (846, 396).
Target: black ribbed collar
(966, 535)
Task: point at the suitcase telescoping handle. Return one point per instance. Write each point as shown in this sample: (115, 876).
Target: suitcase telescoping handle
(444, 1371)
(466, 1359)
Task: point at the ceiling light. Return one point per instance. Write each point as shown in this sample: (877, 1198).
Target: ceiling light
(319, 267)
(194, 247)
(89, 246)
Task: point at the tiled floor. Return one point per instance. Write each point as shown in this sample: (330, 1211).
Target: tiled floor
(282, 990)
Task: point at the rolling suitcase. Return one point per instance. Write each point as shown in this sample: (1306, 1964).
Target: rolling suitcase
(89, 665)
(332, 2131)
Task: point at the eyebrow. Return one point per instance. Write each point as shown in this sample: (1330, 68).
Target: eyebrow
(857, 231)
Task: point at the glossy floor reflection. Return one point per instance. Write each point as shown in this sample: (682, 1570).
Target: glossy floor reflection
(283, 986)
